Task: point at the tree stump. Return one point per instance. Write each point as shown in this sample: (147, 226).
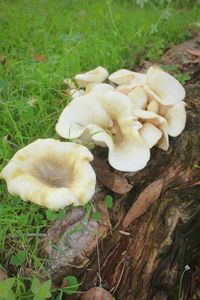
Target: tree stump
(146, 260)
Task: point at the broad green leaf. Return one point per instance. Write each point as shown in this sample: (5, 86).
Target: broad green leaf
(51, 215)
(19, 258)
(108, 201)
(40, 290)
(72, 286)
(97, 216)
(6, 292)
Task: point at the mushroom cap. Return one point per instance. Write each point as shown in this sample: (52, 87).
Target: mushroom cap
(163, 87)
(96, 75)
(75, 93)
(51, 173)
(99, 88)
(123, 76)
(128, 154)
(153, 106)
(150, 116)
(151, 134)
(138, 98)
(81, 112)
(176, 119)
(163, 143)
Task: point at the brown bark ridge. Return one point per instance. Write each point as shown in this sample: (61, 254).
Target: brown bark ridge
(146, 260)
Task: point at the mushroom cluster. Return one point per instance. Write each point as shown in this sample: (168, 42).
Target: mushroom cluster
(129, 114)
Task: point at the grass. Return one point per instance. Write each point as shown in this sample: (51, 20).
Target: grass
(43, 42)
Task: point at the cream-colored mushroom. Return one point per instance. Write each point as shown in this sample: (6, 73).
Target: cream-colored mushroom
(151, 134)
(75, 93)
(97, 75)
(163, 87)
(51, 173)
(111, 122)
(123, 77)
(176, 119)
(138, 98)
(153, 106)
(99, 88)
(79, 113)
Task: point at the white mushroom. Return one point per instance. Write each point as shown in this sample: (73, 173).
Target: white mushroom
(176, 119)
(111, 122)
(51, 173)
(123, 77)
(138, 98)
(82, 111)
(97, 75)
(151, 134)
(153, 106)
(99, 88)
(163, 87)
(75, 93)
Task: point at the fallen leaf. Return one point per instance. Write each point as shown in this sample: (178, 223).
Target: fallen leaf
(96, 293)
(194, 52)
(3, 275)
(39, 57)
(150, 194)
(196, 183)
(109, 179)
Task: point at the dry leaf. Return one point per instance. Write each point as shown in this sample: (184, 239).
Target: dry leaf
(96, 293)
(194, 52)
(39, 57)
(109, 179)
(196, 183)
(3, 275)
(150, 194)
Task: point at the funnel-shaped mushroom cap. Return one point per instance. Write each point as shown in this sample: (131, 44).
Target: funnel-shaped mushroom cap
(138, 98)
(164, 87)
(176, 119)
(97, 75)
(79, 113)
(124, 76)
(151, 134)
(51, 173)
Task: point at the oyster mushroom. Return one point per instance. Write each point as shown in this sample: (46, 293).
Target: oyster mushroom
(51, 173)
(97, 75)
(99, 88)
(123, 77)
(110, 122)
(163, 87)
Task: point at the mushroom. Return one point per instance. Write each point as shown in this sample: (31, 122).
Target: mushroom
(151, 134)
(123, 77)
(163, 87)
(110, 121)
(138, 98)
(97, 75)
(176, 119)
(99, 88)
(51, 173)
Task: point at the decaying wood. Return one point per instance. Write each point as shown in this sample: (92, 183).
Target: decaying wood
(145, 260)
